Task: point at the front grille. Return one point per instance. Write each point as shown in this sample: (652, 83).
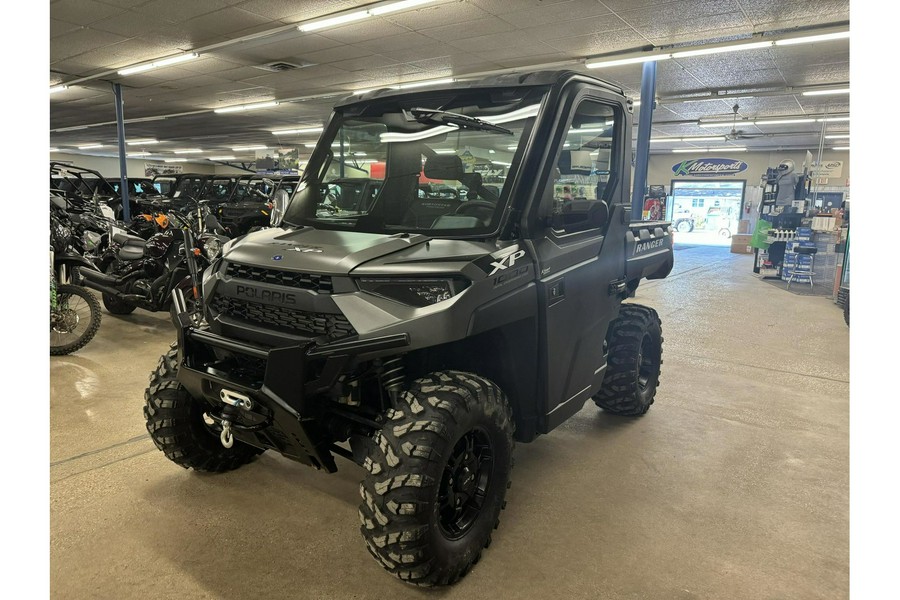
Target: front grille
(334, 326)
(304, 281)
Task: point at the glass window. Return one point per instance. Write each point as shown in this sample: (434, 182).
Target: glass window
(586, 162)
(407, 168)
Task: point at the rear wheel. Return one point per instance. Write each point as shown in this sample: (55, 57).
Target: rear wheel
(75, 321)
(438, 474)
(725, 233)
(634, 361)
(684, 226)
(175, 423)
(847, 309)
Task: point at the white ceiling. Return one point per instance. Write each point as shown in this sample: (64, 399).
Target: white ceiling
(91, 39)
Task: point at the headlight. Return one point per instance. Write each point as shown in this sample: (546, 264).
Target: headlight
(211, 248)
(414, 292)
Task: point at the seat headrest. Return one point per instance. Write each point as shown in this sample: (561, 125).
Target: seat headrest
(444, 166)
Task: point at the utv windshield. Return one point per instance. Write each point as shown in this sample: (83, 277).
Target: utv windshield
(434, 163)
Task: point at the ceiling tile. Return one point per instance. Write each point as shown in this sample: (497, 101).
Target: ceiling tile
(364, 63)
(469, 29)
(365, 30)
(82, 12)
(399, 42)
(598, 43)
(178, 11)
(58, 28)
(794, 14)
(501, 7)
(589, 11)
(335, 54)
(435, 15)
(79, 42)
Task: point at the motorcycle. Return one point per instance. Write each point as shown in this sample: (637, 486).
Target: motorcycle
(138, 273)
(74, 311)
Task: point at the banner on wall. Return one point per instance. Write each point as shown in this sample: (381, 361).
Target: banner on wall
(709, 167)
(828, 168)
(154, 169)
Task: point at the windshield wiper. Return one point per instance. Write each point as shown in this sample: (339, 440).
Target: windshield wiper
(442, 117)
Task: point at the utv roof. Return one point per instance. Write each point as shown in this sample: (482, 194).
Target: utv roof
(508, 80)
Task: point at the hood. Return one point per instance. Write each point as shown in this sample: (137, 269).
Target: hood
(317, 251)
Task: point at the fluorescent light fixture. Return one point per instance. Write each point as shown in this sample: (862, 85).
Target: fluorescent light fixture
(358, 15)
(449, 151)
(717, 124)
(176, 59)
(418, 135)
(160, 63)
(497, 162)
(137, 154)
(417, 84)
(90, 146)
(141, 142)
(826, 92)
(636, 103)
(172, 160)
(704, 150)
(58, 88)
(219, 158)
(838, 136)
(615, 62)
(310, 145)
(832, 119)
(241, 107)
(495, 152)
(188, 151)
(243, 148)
(54, 149)
(811, 39)
(719, 49)
(363, 153)
(713, 138)
(333, 21)
(403, 5)
(298, 131)
(783, 121)
(589, 130)
(841, 148)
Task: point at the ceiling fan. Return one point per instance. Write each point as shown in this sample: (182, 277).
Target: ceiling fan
(740, 134)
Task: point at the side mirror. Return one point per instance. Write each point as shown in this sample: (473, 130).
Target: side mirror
(279, 206)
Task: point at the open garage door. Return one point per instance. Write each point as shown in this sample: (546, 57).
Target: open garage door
(706, 212)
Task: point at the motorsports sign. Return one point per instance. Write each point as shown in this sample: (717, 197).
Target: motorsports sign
(828, 168)
(709, 167)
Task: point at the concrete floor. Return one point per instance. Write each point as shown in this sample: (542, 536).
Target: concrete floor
(734, 485)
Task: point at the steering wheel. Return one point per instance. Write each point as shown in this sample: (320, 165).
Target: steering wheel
(477, 208)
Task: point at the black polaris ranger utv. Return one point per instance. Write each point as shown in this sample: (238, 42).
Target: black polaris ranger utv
(420, 335)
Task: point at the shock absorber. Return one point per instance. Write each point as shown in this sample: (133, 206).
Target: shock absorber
(393, 375)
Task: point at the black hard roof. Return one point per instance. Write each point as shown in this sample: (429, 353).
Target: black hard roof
(508, 80)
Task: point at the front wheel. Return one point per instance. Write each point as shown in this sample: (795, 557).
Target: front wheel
(684, 227)
(438, 474)
(75, 321)
(634, 361)
(175, 423)
(725, 233)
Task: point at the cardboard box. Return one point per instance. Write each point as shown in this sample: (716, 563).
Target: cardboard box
(744, 226)
(740, 243)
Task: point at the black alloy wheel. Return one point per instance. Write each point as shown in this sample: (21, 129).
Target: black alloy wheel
(464, 485)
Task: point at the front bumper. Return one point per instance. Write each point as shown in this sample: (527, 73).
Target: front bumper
(284, 416)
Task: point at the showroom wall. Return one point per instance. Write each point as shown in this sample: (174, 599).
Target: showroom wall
(108, 166)
(660, 169)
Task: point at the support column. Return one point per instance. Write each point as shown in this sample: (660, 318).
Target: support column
(642, 148)
(123, 162)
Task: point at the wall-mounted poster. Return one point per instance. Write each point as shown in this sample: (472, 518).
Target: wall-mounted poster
(154, 169)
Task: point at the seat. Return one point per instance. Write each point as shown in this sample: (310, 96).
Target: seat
(801, 270)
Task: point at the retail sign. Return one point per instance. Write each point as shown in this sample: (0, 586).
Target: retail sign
(709, 167)
(828, 168)
(153, 169)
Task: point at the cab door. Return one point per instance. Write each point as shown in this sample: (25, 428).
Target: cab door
(580, 254)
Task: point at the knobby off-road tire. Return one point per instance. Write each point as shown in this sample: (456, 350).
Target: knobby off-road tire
(633, 366)
(418, 522)
(73, 298)
(175, 423)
